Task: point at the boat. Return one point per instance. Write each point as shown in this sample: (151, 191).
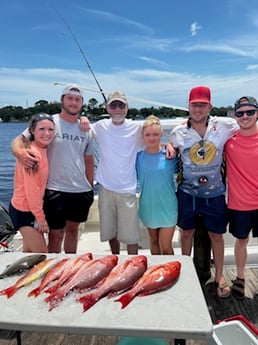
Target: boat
(89, 240)
(89, 231)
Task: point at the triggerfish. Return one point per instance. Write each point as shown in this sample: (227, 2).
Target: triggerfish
(88, 276)
(156, 278)
(34, 273)
(22, 264)
(121, 278)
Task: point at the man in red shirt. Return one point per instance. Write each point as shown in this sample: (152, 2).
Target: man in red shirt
(241, 153)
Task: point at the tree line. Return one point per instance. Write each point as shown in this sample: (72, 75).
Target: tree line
(95, 111)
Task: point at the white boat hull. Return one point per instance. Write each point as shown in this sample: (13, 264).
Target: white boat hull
(89, 240)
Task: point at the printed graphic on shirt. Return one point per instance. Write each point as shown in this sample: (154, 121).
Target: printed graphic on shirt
(203, 152)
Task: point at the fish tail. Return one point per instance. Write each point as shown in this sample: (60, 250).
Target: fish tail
(52, 289)
(88, 301)
(125, 299)
(54, 303)
(53, 300)
(35, 292)
(53, 296)
(9, 292)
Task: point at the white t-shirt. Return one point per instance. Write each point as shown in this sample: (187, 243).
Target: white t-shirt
(117, 146)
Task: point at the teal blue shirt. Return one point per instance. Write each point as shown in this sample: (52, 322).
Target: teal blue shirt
(158, 202)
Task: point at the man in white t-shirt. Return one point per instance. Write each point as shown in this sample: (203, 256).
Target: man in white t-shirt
(119, 140)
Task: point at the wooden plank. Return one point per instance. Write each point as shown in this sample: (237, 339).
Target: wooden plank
(223, 308)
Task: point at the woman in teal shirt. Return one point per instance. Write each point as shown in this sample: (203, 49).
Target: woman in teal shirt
(158, 201)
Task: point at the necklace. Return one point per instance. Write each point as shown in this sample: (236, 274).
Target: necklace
(201, 131)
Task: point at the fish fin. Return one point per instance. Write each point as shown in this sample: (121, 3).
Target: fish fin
(125, 299)
(53, 304)
(99, 283)
(53, 300)
(149, 292)
(87, 301)
(52, 289)
(112, 294)
(35, 292)
(51, 297)
(115, 293)
(9, 292)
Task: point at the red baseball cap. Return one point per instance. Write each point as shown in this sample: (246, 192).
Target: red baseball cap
(200, 94)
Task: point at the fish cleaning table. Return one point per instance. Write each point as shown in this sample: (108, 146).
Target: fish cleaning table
(179, 312)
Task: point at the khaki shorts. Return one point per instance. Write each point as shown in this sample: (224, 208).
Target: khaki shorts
(118, 216)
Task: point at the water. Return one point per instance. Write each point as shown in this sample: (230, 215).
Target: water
(8, 131)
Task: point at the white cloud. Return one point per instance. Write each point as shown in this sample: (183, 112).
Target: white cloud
(194, 28)
(108, 16)
(252, 67)
(221, 48)
(26, 86)
(155, 62)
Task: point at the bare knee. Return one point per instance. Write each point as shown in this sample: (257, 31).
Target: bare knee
(218, 238)
(72, 228)
(167, 251)
(55, 238)
(187, 234)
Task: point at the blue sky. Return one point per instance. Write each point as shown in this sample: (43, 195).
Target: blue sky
(152, 50)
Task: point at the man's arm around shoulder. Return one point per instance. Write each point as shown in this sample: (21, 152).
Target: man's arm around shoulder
(20, 147)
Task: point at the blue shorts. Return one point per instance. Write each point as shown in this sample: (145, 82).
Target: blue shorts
(59, 207)
(212, 210)
(21, 218)
(241, 223)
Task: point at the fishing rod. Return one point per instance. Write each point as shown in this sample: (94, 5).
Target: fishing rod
(81, 51)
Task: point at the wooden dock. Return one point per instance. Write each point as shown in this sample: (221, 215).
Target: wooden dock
(219, 309)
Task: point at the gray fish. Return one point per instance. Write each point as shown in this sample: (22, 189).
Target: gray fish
(22, 264)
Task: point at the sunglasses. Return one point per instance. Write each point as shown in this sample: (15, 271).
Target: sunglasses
(119, 105)
(241, 113)
(43, 117)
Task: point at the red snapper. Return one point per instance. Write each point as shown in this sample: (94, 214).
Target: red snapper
(89, 274)
(157, 278)
(121, 278)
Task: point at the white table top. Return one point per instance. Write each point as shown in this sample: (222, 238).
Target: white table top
(178, 313)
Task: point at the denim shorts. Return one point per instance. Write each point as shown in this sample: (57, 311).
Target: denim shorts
(212, 210)
(59, 207)
(241, 223)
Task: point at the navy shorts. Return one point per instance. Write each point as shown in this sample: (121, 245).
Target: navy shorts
(241, 223)
(21, 218)
(59, 207)
(212, 210)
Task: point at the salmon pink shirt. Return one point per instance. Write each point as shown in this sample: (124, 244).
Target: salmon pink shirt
(29, 187)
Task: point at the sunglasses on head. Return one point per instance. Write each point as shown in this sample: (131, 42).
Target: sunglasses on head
(119, 105)
(241, 113)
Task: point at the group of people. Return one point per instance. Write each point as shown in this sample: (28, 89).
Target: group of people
(130, 151)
